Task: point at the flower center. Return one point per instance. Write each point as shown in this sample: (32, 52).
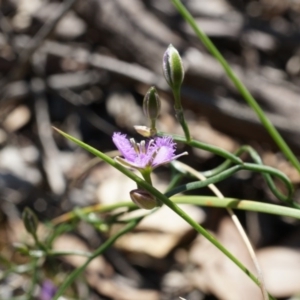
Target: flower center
(140, 148)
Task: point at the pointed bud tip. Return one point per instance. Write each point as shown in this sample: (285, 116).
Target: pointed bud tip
(30, 220)
(173, 67)
(151, 104)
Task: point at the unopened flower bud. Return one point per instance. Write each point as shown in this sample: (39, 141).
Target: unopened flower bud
(30, 221)
(151, 104)
(143, 199)
(173, 68)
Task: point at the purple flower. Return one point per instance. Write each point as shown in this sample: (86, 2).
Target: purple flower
(145, 155)
(48, 290)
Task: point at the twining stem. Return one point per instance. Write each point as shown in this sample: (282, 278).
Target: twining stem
(204, 146)
(227, 163)
(246, 166)
(238, 84)
(256, 158)
(233, 158)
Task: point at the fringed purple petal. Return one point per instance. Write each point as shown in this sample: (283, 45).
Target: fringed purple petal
(48, 290)
(154, 153)
(163, 150)
(165, 141)
(124, 146)
(163, 155)
(143, 160)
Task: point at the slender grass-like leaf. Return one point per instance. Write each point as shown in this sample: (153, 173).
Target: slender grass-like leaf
(238, 84)
(166, 201)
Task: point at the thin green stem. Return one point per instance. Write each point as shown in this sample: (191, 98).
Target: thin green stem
(20, 269)
(210, 238)
(209, 201)
(174, 181)
(233, 158)
(166, 201)
(180, 114)
(70, 279)
(203, 146)
(234, 203)
(86, 210)
(235, 220)
(256, 158)
(147, 176)
(33, 279)
(227, 163)
(70, 252)
(228, 172)
(238, 84)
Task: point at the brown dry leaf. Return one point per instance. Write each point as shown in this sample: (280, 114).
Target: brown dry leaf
(67, 242)
(115, 186)
(202, 131)
(212, 8)
(3, 137)
(161, 232)
(281, 269)
(165, 220)
(18, 234)
(70, 26)
(17, 118)
(16, 160)
(155, 244)
(123, 107)
(113, 290)
(280, 163)
(216, 273)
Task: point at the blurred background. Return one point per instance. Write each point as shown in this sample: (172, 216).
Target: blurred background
(84, 67)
